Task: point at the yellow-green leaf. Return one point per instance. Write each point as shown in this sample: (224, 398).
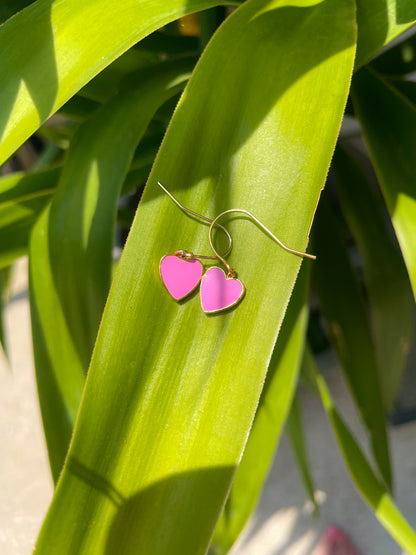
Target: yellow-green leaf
(83, 212)
(171, 392)
(391, 140)
(71, 248)
(54, 48)
(59, 373)
(271, 414)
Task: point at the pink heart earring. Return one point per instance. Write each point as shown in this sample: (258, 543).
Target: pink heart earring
(182, 272)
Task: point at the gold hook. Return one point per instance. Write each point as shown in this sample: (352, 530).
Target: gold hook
(214, 222)
(189, 254)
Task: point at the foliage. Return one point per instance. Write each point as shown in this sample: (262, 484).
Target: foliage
(161, 422)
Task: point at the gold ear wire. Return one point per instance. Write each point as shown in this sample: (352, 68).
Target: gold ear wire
(214, 223)
(182, 207)
(262, 226)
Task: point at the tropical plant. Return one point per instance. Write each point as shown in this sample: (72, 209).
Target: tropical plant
(161, 422)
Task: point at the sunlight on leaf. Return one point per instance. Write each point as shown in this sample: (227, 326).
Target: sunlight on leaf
(167, 410)
(392, 144)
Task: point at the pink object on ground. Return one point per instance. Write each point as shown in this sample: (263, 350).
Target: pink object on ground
(335, 541)
(180, 276)
(219, 292)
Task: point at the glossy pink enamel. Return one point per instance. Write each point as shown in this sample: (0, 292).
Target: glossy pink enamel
(179, 275)
(219, 292)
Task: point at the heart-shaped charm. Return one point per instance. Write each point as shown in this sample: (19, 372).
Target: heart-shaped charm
(180, 275)
(218, 291)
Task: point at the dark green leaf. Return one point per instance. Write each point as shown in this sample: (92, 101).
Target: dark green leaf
(10, 7)
(386, 278)
(22, 198)
(5, 277)
(391, 140)
(379, 22)
(398, 60)
(343, 307)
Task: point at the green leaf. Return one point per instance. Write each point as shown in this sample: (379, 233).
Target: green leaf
(379, 22)
(391, 140)
(51, 155)
(271, 414)
(373, 491)
(22, 198)
(171, 392)
(5, 278)
(55, 48)
(10, 7)
(71, 254)
(385, 274)
(78, 108)
(164, 43)
(90, 183)
(344, 309)
(399, 59)
(59, 135)
(106, 83)
(59, 373)
(297, 439)
(405, 87)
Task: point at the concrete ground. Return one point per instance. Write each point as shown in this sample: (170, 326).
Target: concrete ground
(282, 524)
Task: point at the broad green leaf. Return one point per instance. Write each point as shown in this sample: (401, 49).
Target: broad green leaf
(373, 491)
(171, 392)
(379, 22)
(391, 140)
(298, 442)
(71, 255)
(59, 391)
(344, 310)
(386, 278)
(83, 211)
(22, 198)
(55, 48)
(271, 414)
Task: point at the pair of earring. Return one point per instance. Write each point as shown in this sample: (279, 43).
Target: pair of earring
(182, 272)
